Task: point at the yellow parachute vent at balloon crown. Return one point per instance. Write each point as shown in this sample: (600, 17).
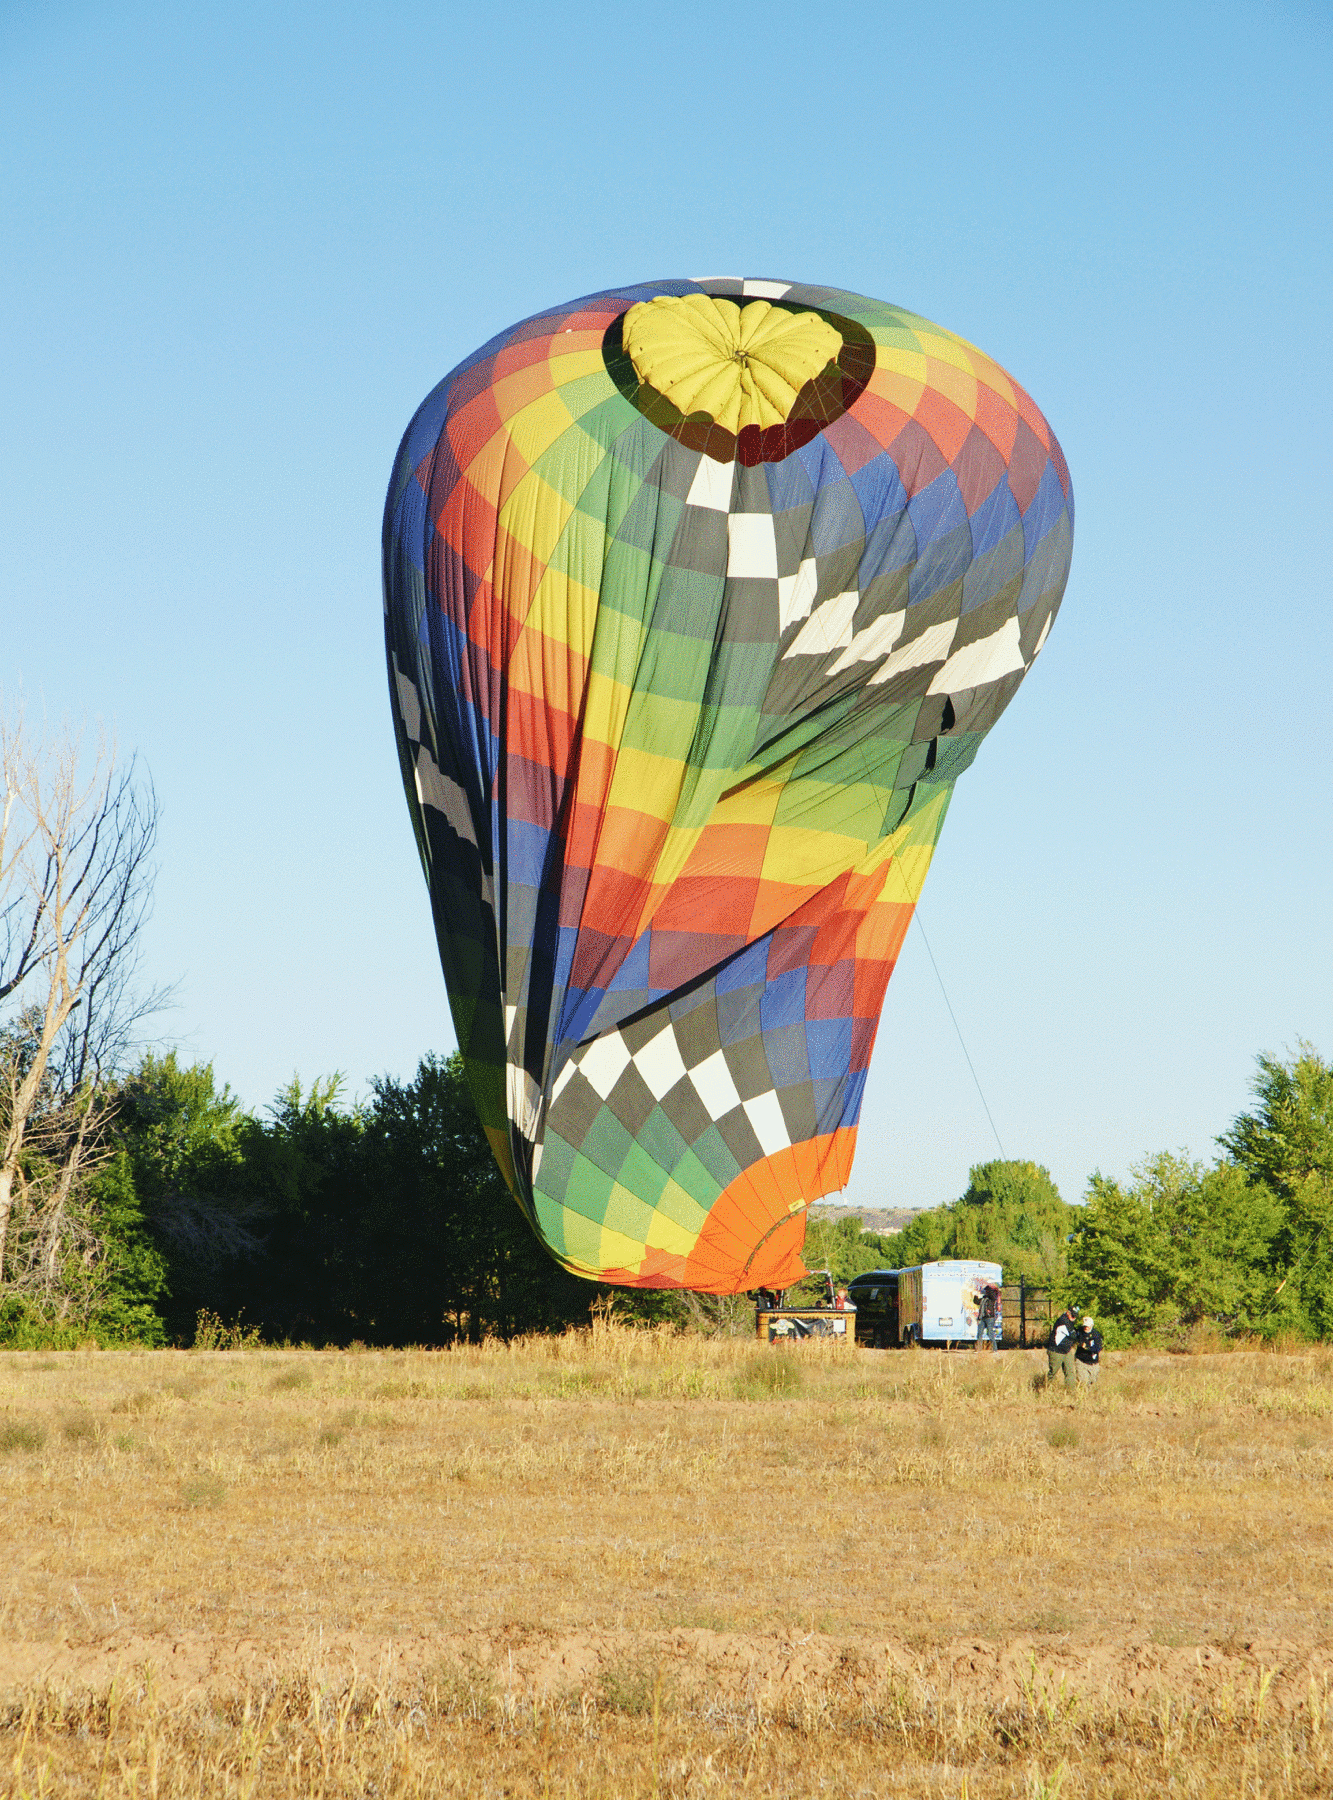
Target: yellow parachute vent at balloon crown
(738, 365)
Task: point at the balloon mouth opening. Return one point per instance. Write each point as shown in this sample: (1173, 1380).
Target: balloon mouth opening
(821, 399)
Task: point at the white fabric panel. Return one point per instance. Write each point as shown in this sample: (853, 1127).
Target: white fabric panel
(796, 593)
(765, 290)
(931, 646)
(563, 1080)
(976, 664)
(829, 627)
(660, 1063)
(752, 549)
(711, 486)
(714, 1086)
(765, 1114)
(409, 703)
(604, 1062)
(1042, 639)
(441, 791)
(525, 1100)
(875, 641)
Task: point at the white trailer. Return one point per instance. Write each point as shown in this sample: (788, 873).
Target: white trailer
(937, 1301)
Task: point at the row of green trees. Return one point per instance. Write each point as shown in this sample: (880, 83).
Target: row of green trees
(1011, 1214)
(1242, 1246)
(387, 1222)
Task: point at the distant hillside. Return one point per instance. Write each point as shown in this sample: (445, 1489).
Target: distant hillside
(881, 1219)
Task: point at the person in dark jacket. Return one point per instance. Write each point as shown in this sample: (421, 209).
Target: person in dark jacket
(1060, 1346)
(1088, 1352)
(988, 1316)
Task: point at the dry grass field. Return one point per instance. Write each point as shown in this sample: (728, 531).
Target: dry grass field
(627, 1563)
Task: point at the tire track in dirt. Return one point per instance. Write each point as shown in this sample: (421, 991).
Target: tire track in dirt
(693, 1667)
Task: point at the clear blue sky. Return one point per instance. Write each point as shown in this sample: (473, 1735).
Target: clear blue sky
(241, 242)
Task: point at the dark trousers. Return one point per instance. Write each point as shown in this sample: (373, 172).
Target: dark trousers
(1058, 1361)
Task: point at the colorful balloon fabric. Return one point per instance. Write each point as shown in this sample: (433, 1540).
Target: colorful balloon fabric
(699, 596)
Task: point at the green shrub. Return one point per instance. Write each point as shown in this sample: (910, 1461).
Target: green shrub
(203, 1490)
(211, 1333)
(334, 1432)
(21, 1434)
(137, 1402)
(631, 1687)
(773, 1374)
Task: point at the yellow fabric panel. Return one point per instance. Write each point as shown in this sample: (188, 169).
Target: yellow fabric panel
(644, 783)
(809, 858)
(956, 384)
(955, 351)
(486, 467)
(908, 874)
(668, 1231)
(583, 1242)
(587, 393)
(573, 365)
(742, 365)
(565, 610)
(908, 850)
(677, 848)
(959, 354)
(499, 1143)
(908, 365)
(535, 515)
(537, 425)
(605, 709)
(618, 1251)
(991, 375)
(756, 803)
(897, 387)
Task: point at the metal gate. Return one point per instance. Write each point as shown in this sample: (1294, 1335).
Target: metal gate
(1027, 1314)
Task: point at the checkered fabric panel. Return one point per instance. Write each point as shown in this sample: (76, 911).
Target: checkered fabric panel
(679, 713)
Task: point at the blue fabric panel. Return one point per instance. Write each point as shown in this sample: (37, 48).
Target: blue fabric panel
(937, 510)
(784, 1000)
(785, 1049)
(994, 519)
(879, 490)
(829, 1047)
(1046, 510)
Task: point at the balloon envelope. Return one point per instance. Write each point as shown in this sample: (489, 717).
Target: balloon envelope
(699, 596)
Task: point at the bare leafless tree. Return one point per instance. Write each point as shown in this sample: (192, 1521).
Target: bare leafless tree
(77, 831)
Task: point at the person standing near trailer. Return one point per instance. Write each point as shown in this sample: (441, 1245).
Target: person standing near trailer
(988, 1316)
(1060, 1347)
(1088, 1352)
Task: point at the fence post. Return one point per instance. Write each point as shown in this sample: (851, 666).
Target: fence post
(1022, 1313)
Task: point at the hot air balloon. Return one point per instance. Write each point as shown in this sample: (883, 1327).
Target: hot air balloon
(699, 596)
